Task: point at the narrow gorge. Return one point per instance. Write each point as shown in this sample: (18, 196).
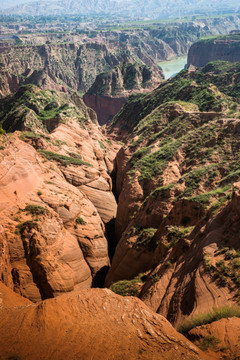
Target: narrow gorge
(120, 194)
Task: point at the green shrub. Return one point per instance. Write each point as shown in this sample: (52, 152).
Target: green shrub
(207, 262)
(175, 233)
(2, 132)
(80, 221)
(128, 287)
(236, 263)
(20, 228)
(102, 146)
(36, 209)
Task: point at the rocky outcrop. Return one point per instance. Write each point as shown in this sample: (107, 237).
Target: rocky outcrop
(195, 282)
(174, 174)
(71, 61)
(110, 90)
(220, 338)
(105, 106)
(222, 48)
(94, 320)
(48, 67)
(56, 196)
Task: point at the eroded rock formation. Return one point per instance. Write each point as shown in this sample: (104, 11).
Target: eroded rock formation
(56, 196)
(97, 324)
(175, 173)
(111, 90)
(222, 48)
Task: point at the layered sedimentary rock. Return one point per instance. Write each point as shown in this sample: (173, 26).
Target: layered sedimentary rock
(193, 281)
(220, 338)
(97, 324)
(72, 61)
(56, 66)
(174, 174)
(53, 238)
(111, 90)
(222, 48)
(67, 66)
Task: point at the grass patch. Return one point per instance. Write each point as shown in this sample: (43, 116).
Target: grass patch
(102, 146)
(31, 135)
(208, 318)
(204, 199)
(175, 233)
(209, 342)
(63, 159)
(155, 163)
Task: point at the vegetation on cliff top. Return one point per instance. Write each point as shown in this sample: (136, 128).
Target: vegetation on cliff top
(231, 37)
(33, 109)
(214, 88)
(184, 142)
(165, 126)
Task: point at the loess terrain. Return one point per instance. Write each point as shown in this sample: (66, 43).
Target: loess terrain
(56, 194)
(221, 48)
(120, 241)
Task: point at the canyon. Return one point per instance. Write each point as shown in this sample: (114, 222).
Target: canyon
(126, 235)
(93, 62)
(111, 90)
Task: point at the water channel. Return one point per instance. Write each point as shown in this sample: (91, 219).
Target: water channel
(172, 67)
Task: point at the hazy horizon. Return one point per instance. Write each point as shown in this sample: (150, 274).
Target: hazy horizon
(165, 8)
(4, 4)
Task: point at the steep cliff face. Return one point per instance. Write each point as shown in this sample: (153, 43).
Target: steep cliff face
(174, 174)
(74, 61)
(196, 280)
(110, 90)
(64, 65)
(222, 48)
(105, 106)
(56, 194)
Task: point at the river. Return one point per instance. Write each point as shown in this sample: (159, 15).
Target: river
(172, 67)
